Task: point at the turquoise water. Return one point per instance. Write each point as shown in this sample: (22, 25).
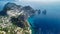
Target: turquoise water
(42, 24)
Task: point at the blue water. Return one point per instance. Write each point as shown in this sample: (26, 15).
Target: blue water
(46, 24)
(43, 24)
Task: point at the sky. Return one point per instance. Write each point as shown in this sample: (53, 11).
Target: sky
(41, 1)
(33, 0)
(7, 0)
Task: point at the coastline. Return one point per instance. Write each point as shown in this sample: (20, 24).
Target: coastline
(29, 26)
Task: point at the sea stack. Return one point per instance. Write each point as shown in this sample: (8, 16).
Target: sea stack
(44, 12)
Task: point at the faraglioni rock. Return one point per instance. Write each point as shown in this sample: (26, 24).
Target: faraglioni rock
(44, 12)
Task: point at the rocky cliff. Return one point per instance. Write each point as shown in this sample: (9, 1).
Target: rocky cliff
(16, 16)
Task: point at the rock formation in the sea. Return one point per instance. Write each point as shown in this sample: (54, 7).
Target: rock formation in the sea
(38, 11)
(44, 12)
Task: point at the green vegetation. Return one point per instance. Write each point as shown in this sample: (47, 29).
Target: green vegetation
(11, 27)
(1, 21)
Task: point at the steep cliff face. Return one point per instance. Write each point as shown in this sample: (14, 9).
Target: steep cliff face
(29, 10)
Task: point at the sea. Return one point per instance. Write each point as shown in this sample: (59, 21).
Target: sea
(40, 23)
